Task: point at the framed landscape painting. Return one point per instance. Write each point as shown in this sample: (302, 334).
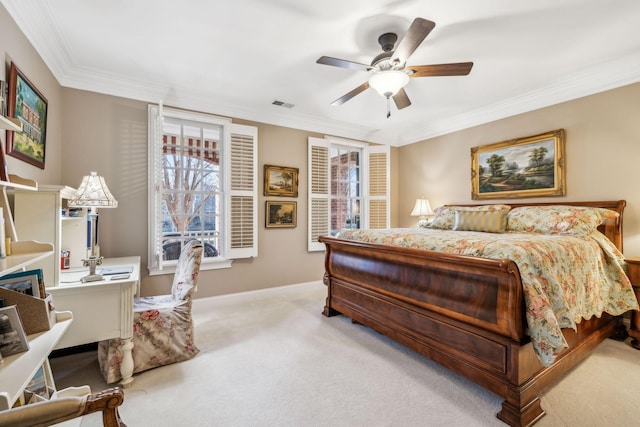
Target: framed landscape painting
(525, 167)
(280, 181)
(29, 106)
(280, 214)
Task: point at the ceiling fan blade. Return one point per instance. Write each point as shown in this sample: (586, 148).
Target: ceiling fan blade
(401, 99)
(351, 94)
(455, 69)
(343, 63)
(418, 31)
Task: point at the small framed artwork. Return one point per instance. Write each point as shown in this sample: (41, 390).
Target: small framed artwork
(533, 166)
(28, 105)
(27, 274)
(281, 214)
(28, 285)
(280, 181)
(12, 337)
(39, 384)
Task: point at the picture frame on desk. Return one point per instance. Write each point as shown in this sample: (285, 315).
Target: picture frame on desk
(13, 340)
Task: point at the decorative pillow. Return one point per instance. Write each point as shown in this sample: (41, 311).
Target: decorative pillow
(494, 221)
(445, 216)
(557, 219)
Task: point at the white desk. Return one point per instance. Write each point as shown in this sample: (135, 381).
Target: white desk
(101, 310)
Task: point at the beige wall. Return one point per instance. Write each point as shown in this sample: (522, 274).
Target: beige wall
(602, 156)
(109, 135)
(89, 131)
(16, 48)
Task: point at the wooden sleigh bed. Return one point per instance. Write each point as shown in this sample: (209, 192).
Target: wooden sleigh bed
(466, 313)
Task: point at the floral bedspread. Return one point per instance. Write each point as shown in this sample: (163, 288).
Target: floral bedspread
(565, 278)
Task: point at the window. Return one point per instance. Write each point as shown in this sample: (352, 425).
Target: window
(348, 187)
(346, 194)
(202, 185)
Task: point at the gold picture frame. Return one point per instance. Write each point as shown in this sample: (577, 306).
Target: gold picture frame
(281, 214)
(532, 166)
(28, 105)
(280, 181)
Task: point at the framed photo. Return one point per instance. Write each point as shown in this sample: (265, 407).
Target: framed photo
(12, 337)
(28, 285)
(39, 384)
(280, 181)
(29, 106)
(533, 166)
(281, 214)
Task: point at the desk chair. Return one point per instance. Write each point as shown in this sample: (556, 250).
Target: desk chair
(162, 325)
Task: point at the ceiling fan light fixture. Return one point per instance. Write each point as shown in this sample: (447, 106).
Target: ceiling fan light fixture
(387, 83)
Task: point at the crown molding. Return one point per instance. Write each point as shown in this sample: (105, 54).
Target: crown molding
(34, 19)
(600, 78)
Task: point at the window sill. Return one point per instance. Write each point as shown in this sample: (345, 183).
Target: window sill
(206, 265)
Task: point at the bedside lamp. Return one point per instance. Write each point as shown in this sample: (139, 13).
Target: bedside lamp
(92, 193)
(423, 210)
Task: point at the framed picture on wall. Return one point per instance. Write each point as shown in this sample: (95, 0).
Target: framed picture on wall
(280, 214)
(280, 181)
(28, 105)
(532, 166)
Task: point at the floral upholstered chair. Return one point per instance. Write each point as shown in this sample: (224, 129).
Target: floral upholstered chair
(162, 325)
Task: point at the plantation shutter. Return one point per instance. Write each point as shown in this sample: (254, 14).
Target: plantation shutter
(319, 191)
(242, 228)
(155, 116)
(377, 191)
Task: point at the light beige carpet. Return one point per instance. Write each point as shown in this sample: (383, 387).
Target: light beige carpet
(269, 358)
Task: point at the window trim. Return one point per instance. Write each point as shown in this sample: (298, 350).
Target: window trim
(319, 203)
(155, 115)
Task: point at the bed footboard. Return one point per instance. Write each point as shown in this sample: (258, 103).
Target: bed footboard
(466, 313)
(475, 291)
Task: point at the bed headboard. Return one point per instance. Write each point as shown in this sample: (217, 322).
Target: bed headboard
(610, 228)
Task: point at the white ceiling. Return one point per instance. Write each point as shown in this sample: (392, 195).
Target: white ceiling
(235, 57)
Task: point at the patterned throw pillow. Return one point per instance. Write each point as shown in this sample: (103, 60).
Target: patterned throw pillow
(494, 221)
(557, 219)
(445, 216)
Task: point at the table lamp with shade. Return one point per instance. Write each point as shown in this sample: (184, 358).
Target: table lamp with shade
(93, 193)
(423, 210)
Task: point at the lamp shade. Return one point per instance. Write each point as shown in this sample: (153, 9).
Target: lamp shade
(93, 192)
(388, 83)
(422, 208)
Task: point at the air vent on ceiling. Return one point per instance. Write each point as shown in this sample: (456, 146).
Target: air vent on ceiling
(282, 104)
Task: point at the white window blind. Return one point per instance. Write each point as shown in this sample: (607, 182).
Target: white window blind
(377, 192)
(318, 205)
(243, 190)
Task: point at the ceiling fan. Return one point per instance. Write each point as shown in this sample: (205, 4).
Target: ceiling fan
(390, 72)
